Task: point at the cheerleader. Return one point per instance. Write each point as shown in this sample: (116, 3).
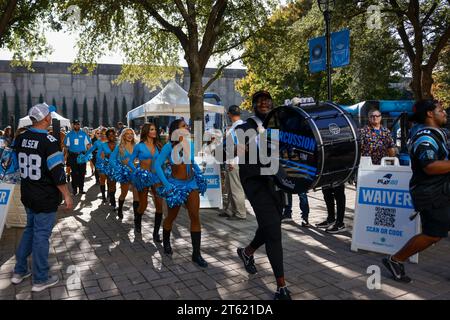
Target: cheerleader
(182, 186)
(104, 150)
(143, 179)
(121, 171)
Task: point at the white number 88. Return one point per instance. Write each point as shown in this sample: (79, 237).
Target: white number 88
(30, 166)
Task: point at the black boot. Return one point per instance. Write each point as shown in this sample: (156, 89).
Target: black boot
(166, 242)
(196, 256)
(158, 219)
(112, 199)
(120, 210)
(103, 191)
(137, 217)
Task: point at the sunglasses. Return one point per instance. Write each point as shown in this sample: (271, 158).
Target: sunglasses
(375, 116)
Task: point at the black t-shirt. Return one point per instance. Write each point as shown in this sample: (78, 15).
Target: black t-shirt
(427, 146)
(41, 170)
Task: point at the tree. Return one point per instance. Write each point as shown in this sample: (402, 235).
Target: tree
(124, 110)
(64, 108)
(4, 110)
(105, 117)
(75, 112)
(16, 108)
(423, 30)
(85, 113)
(116, 112)
(22, 29)
(41, 98)
(95, 120)
(277, 59)
(441, 86)
(152, 33)
(29, 101)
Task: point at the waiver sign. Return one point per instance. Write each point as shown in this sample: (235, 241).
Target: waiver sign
(383, 206)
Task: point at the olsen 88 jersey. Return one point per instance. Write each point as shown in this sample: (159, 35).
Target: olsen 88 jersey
(41, 168)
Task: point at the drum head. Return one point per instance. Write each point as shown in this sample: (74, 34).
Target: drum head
(298, 150)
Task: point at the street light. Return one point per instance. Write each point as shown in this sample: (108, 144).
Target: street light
(326, 6)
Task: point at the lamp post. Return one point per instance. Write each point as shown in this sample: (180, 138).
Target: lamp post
(326, 6)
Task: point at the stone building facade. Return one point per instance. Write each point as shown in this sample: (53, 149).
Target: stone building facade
(55, 81)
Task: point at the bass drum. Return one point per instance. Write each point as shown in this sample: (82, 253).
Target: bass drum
(318, 145)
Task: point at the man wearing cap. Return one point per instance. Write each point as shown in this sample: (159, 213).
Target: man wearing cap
(235, 207)
(429, 184)
(264, 198)
(43, 180)
(77, 142)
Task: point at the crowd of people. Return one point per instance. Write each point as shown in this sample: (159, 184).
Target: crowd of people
(148, 168)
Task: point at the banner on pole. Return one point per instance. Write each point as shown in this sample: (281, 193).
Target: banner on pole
(340, 48)
(317, 54)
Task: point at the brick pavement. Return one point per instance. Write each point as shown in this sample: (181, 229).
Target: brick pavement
(114, 264)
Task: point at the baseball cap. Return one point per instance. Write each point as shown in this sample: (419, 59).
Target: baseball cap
(261, 93)
(40, 111)
(234, 110)
(76, 121)
(420, 109)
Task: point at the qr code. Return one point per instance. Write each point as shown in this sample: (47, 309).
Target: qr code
(385, 217)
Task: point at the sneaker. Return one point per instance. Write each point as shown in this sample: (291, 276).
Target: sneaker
(18, 278)
(224, 215)
(336, 228)
(305, 223)
(397, 270)
(324, 224)
(249, 262)
(286, 217)
(282, 294)
(51, 281)
(82, 191)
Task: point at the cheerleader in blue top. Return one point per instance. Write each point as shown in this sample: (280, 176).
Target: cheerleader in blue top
(104, 150)
(121, 170)
(144, 178)
(183, 186)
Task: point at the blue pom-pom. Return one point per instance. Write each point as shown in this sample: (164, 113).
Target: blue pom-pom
(142, 179)
(202, 184)
(104, 167)
(82, 158)
(121, 173)
(174, 195)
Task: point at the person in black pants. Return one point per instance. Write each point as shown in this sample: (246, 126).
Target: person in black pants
(262, 193)
(334, 224)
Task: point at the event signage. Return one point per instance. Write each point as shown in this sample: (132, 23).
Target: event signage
(211, 172)
(383, 206)
(340, 51)
(6, 191)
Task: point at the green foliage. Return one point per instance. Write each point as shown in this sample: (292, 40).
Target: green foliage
(441, 87)
(64, 108)
(75, 110)
(4, 110)
(95, 120)
(85, 113)
(105, 117)
(278, 58)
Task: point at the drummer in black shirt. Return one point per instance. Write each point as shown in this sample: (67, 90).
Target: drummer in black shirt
(43, 180)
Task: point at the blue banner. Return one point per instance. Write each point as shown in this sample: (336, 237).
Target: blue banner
(317, 54)
(340, 48)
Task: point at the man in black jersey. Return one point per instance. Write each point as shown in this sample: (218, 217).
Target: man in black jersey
(43, 181)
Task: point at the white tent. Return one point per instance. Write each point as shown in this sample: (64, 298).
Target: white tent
(171, 101)
(26, 121)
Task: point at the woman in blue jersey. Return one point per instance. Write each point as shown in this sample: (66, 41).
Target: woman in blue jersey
(121, 171)
(181, 186)
(143, 178)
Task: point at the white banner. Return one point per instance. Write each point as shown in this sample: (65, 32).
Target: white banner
(6, 194)
(211, 172)
(383, 206)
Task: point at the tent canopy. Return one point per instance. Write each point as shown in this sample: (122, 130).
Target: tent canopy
(171, 101)
(26, 121)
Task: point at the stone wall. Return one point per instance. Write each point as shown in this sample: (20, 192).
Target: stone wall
(55, 81)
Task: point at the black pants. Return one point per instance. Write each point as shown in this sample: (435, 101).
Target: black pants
(94, 161)
(78, 171)
(330, 195)
(267, 205)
